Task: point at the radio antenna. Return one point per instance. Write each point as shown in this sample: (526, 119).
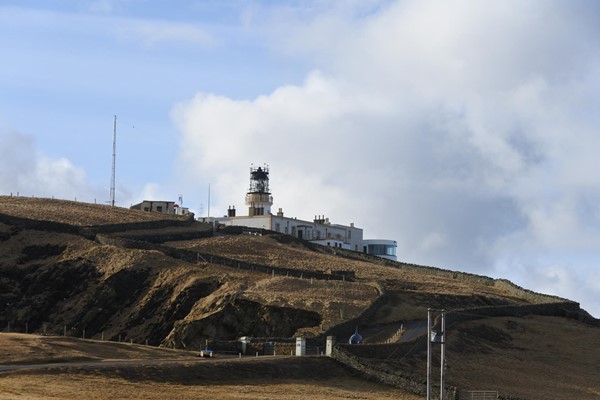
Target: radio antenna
(114, 157)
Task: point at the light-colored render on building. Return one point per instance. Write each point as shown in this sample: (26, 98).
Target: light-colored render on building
(165, 207)
(259, 202)
(318, 231)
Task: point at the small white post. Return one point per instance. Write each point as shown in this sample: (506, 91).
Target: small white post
(329, 345)
(300, 346)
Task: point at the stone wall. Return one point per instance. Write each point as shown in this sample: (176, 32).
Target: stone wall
(196, 256)
(392, 378)
(91, 231)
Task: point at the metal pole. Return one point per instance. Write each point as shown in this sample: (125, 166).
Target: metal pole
(443, 356)
(429, 354)
(114, 157)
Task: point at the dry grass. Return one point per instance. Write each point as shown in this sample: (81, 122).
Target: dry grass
(248, 378)
(336, 301)
(265, 250)
(533, 357)
(74, 213)
(81, 385)
(16, 348)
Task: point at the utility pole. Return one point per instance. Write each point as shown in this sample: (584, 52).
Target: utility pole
(114, 157)
(429, 310)
(434, 337)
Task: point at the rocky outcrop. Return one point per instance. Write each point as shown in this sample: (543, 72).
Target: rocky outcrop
(237, 318)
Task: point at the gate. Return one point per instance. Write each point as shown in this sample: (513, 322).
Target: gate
(483, 395)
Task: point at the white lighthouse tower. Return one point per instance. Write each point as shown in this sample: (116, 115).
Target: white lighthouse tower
(258, 198)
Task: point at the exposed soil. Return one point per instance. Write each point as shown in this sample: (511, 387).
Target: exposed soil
(56, 283)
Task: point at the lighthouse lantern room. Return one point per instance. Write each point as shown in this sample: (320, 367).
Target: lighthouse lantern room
(258, 198)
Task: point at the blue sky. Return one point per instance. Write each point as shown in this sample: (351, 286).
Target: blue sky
(467, 131)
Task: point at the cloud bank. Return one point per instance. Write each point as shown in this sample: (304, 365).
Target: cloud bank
(25, 172)
(465, 131)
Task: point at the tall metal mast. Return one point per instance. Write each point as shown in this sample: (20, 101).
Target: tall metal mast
(114, 158)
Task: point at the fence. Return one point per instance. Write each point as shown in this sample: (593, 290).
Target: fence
(483, 395)
(47, 329)
(195, 256)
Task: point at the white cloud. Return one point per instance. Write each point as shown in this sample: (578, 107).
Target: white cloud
(463, 130)
(25, 172)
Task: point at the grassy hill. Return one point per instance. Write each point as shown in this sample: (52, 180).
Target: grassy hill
(126, 275)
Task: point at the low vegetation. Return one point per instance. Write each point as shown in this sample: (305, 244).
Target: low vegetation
(171, 287)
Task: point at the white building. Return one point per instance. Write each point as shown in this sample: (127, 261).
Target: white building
(320, 230)
(165, 207)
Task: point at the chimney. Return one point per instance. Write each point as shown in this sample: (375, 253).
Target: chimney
(280, 213)
(231, 211)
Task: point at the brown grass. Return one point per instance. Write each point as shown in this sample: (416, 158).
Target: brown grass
(81, 385)
(74, 213)
(16, 348)
(248, 378)
(533, 357)
(266, 250)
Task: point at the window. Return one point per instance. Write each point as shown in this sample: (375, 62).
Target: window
(159, 208)
(381, 250)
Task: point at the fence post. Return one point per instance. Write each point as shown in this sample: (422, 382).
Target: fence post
(83, 336)
(64, 330)
(26, 327)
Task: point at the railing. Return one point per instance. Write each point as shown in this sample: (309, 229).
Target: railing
(483, 395)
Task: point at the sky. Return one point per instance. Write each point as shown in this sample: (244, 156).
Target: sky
(467, 131)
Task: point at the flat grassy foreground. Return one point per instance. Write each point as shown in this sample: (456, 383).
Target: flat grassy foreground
(153, 374)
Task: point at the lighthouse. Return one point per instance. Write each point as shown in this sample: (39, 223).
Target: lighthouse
(258, 198)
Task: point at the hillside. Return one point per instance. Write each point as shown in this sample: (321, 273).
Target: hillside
(101, 370)
(124, 275)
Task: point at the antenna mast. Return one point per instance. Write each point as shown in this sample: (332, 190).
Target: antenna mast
(114, 157)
